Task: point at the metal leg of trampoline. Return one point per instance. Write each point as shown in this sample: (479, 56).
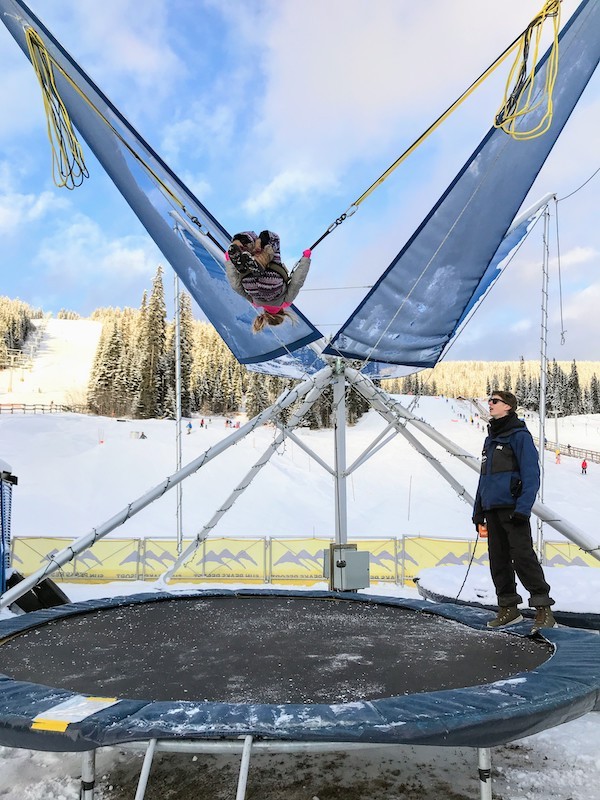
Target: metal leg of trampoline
(244, 767)
(88, 775)
(485, 772)
(145, 773)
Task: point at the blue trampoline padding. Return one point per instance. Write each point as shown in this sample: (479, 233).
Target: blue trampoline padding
(572, 619)
(561, 689)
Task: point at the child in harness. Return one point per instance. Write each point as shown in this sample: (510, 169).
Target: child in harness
(255, 271)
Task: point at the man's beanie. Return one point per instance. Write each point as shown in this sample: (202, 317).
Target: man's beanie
(507, 397)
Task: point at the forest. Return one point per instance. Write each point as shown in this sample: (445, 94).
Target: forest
(134, 370)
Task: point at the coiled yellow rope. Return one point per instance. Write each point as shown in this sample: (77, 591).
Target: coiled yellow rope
(517, 102)
(68, 165)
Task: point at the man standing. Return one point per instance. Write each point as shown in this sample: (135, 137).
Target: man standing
(508, 484)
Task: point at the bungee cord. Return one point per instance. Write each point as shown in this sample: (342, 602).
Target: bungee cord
(68, 164)
(551, 9)
(518, 101)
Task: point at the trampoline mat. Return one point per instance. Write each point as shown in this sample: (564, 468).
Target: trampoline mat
(263, 650)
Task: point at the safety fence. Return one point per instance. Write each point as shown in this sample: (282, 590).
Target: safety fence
(42, 408)
(262, 560)
(571, 452)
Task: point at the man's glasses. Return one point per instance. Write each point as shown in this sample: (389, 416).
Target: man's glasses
(495, 400)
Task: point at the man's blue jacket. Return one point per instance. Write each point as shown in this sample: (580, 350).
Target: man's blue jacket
(510, 470)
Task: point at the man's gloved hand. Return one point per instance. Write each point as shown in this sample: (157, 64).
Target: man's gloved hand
(306, 253)
(519, 519)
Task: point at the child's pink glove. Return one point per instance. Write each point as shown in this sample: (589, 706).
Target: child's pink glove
(226, 255)
(307, 253)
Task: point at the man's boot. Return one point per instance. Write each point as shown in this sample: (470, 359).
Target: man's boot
(544, 618)
(508, 615)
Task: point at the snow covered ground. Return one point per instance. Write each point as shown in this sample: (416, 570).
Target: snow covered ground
(76, 472)
(61, 366)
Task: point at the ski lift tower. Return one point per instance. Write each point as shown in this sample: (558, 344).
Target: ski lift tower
(7, 481)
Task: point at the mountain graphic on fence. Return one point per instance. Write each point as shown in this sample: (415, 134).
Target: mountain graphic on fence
(225, 556)
(450, 559)
(300, 558)
(560, 561)
(134, 558)
(385, 555)
(86, 556)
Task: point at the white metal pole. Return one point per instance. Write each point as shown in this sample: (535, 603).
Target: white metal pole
(189, 551)
(244, 768)
(145, 773)
(179, 492)
(88, 775)
(62, 557)
(551, 517)
(339, 407)
(485, 772)
(543, 380)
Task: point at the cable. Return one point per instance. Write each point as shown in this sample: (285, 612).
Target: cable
(566, 197)
(518, 102)
(469, 566)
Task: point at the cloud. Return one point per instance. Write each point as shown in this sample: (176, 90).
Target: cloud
(81, 251)
(286, 184)
(18, 209)
(206, 131)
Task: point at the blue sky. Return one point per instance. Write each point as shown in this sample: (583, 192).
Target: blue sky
(279, 114)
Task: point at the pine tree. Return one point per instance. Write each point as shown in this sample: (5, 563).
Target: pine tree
(574, 401)
(256, 395)
(594, 395)
(521, 384)
(152, 393)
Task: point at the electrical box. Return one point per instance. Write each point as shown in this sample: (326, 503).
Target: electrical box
(346, 568)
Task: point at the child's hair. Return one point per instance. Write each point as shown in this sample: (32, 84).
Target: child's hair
(267, 318)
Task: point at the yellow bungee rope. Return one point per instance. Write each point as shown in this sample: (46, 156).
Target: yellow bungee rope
(551, 9)
(517, 102)
(68, 164)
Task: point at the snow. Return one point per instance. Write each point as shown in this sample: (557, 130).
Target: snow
(61, 366)
(75, 472)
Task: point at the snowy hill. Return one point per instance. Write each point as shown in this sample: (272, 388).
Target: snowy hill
(61, 364)
(77, 471)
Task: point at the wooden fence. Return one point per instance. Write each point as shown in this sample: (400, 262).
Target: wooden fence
(41, 408)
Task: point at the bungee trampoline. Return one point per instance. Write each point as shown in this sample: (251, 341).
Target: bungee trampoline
(284, 666)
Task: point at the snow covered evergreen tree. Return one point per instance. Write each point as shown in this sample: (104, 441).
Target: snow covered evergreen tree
(151, 401)
(574, 399)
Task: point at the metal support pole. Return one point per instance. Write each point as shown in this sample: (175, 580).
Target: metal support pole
(189, 551)
(549, 516)
(244, 767)
(88, 775)
(485, 772)
(375, 446)
(309, 452)
(62, 557)
(145, 773)
(543, 381)
(339, 407)
(179, 492)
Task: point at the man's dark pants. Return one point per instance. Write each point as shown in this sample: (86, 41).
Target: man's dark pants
(510, 549)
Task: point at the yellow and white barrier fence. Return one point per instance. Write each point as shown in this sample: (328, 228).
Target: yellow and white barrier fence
(261, 560)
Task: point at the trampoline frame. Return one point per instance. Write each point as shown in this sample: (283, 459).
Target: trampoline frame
(562, 688)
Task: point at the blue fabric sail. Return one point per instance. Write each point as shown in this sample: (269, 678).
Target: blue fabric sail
(162, 203)
(416, 306)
